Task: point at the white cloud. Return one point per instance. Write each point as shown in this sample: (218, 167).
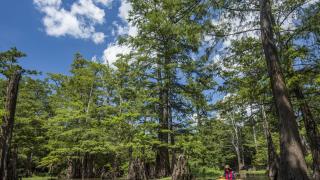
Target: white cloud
(94, 59)
(132, 31)
(98, 37)
(104, 2)
(110, 55)
(128, 28)
(88, 9)
(236, 27)
(78, 22)
(118, 29)
(124, 10)
(55, 3)
(291, 21)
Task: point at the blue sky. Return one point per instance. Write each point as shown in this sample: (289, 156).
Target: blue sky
(50, 46)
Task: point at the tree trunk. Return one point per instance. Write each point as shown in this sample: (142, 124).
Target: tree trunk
(84, 168)
(74, 169)
(236, 142)
(150, 170)
(242, 153)
(273, 158)
(8, 121)
(181, 170)
(90, 165)
(137, 170)
(255, 137)
(162, 157)
(292, 162)
(29, 161)
(254, 129)
(311, 130)
(172, 142)
(87, 166)
(12, 165)
(239, 159)
(69, 169)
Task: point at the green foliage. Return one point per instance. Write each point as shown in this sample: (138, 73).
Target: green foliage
(110, 114)
(9, 61)
(206, 172)
(32, 112)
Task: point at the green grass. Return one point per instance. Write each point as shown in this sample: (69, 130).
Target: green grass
(204, 172)
(166, 178)
(38, 178)
(201, 173)
(257, 172)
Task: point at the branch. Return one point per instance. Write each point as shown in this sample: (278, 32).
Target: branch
(235, 33)
(237, 9)
(292, 10)
(186, 11)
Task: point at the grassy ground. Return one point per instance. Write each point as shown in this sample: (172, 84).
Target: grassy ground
(37, 178)
(258, 172)
(209, 173)
(167, 178)
(206, 172)
(203, 173)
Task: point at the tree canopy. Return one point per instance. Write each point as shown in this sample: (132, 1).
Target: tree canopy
(206, 84)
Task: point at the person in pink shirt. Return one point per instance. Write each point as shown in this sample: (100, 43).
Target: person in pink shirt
(229, 173)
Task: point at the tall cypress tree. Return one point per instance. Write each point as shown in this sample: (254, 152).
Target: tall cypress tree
(169, 32)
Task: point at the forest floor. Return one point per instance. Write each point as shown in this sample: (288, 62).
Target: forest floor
(37, 178)
(203, 174)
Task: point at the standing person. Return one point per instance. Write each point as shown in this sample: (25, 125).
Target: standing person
(228, 173)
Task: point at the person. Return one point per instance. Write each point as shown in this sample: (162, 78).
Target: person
(228, 173)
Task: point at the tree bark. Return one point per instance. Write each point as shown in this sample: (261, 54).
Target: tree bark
(255, 137)
(8, 121)
(236, 142)
(311, 131)
(242, 151)
(28, 165)
(254, 129)
(87, 166)
(150, 170)
(12, 164)
(90, 165)
(74, 169)
(137, 170)
(292, 162)
(69, 172)
(84, 168)
(172, 142)
(181, 170)
(273, 158)
(162, 157)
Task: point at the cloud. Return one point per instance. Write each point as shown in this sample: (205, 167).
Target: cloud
(94, 59)
(98, 37)
(291, 21)
(104, 2)
(55, 3)
(124, 10)
(78, 22)
(128, 28)
(110, 55)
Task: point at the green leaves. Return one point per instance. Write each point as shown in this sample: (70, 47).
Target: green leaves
(9, 62)
(117, 113)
